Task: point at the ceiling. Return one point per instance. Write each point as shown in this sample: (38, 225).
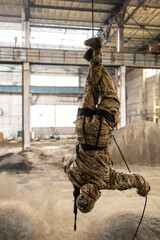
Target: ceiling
(140, 19)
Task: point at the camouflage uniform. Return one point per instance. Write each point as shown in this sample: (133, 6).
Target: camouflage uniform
(91, 170)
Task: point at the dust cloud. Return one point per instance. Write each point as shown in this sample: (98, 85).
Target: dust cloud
(39, 205)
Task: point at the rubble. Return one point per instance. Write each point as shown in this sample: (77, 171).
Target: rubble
(139, 143)
(124, 227)
(14, 162)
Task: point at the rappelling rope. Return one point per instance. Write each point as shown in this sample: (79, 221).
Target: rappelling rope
(121, 154)
(145, 204)
(92, 19)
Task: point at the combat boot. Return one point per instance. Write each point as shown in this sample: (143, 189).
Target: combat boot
(94, 43)
(88, 55)
(143, 194)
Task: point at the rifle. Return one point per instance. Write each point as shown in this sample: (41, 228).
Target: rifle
(76, 193)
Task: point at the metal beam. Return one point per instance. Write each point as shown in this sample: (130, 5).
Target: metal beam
(10, 15)
(118, 10)
(113, 3)
(105, 2)
(70, 8)
(143, 25)
(147, 5)
(134, 11)
(42, 90)
(65, 20)
(79, 20)
(52, 19)
(63, 27)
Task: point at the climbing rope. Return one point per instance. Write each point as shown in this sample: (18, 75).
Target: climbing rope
(145, 204)
(92, 19)
(121, 154)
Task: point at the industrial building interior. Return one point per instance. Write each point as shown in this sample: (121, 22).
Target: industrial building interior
(42, 79)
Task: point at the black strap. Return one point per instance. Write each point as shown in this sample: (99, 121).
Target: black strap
(85, 112)
(88, 147)
(84, 133)
(100, 112)
(89, 112)
(105, 114)
(100, 125)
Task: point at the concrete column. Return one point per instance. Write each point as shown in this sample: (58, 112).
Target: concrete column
(26, 104)
(27, 34)
(25, 23)
(123, 96)
(120, 40)
(79, 99)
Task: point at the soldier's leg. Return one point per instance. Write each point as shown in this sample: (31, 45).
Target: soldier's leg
(91, 91)
(109, 99)
(99, 76)
(91, 94)
(123, 181)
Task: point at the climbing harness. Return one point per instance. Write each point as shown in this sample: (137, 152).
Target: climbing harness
(87, 112)
(145, 204)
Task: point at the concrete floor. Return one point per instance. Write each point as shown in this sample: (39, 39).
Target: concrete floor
(45, 197)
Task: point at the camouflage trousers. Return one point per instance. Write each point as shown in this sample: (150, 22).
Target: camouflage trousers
(92, 170)
(100, 94)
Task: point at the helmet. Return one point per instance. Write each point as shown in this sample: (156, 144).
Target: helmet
(84, 204)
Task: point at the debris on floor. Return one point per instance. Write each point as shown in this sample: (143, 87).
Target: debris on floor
(12, 161)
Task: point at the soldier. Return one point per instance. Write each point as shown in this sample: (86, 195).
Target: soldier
(91, 169)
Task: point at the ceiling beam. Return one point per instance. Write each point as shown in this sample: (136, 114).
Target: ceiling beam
(10, 16)
(64, 27)
(70, 8)
(106, 2)
(134, 11)
(137, 28)
(118, 12)
(113, 3)
(147, 5)
(52, 19)
(143, 25)
(65, 20)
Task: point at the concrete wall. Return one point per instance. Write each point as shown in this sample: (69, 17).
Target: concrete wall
(134, 83)
(10, 74)
(48, 99)
(141, 96)
(58, 131)
(11, 118)
(11, 114)
(140, 101)
(11, 104)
